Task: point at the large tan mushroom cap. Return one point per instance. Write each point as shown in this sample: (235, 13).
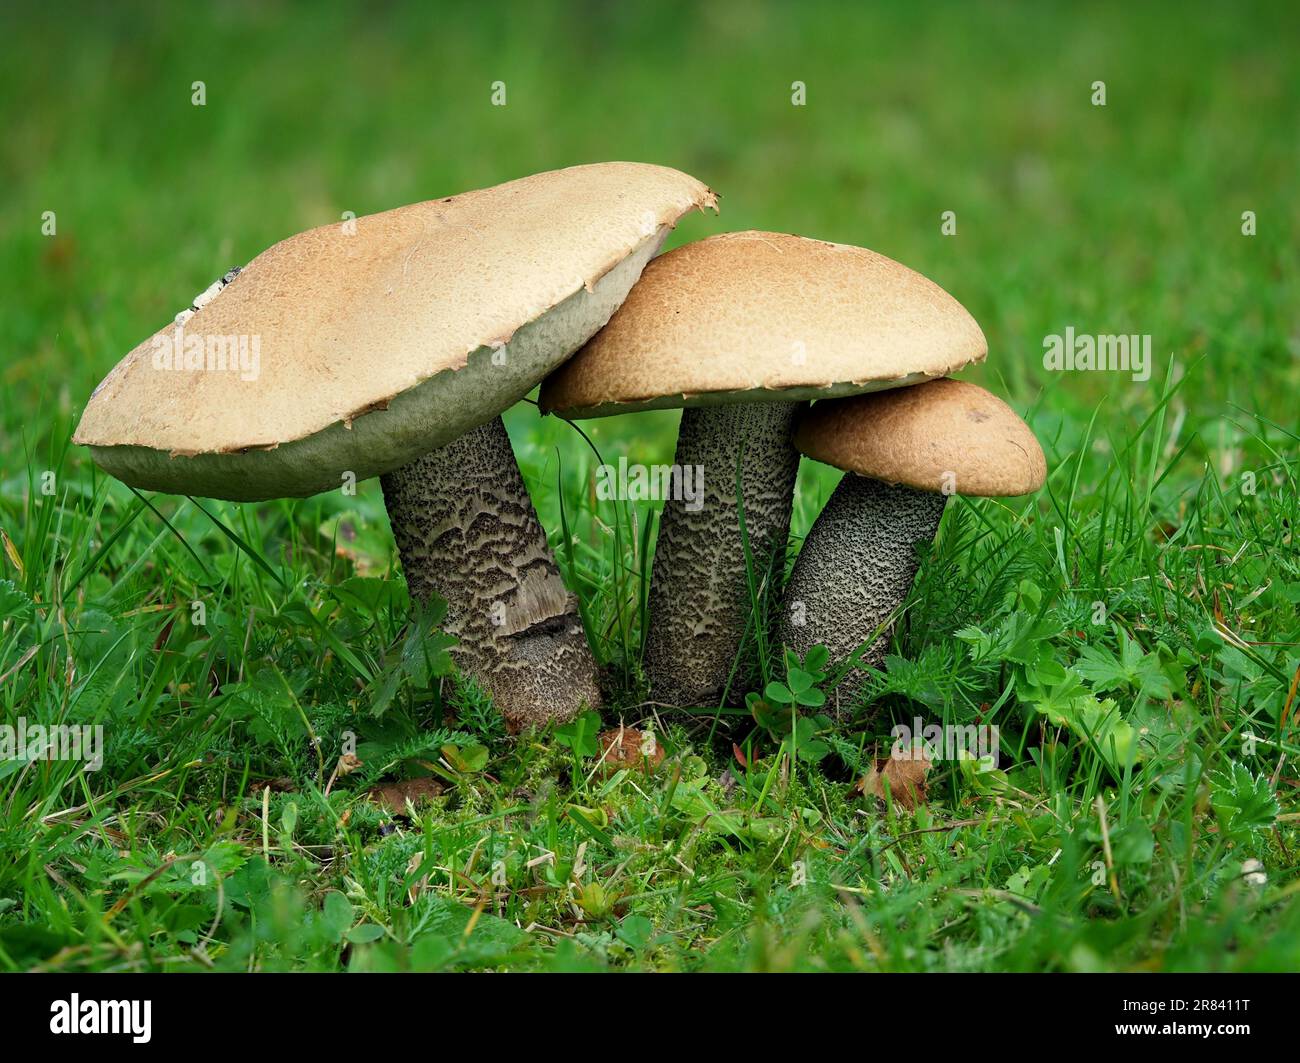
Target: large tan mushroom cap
(364, 332)
(945, 434)
(755, 316)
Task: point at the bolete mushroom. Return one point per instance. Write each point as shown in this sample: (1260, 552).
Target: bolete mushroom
(388, 346)
(904, 452)
(740, 330)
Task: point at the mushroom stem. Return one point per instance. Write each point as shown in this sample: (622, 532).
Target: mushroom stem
(857, 564)
(699, 602)
(466, 530)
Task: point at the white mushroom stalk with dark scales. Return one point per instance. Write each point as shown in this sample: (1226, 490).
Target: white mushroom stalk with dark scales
(389, 346)
(905, 452)
(740, 331)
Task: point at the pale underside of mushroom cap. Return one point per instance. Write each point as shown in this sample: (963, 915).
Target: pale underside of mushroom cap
(943, 436)
(765, 317)
(383, 338)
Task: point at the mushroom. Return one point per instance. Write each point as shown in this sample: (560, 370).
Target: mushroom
(905, 452)
(388, 346)
(739, 331)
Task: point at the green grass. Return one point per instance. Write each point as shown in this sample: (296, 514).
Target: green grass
(1172, 502)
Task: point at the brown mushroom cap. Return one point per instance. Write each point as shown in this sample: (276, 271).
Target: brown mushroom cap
(945, 433)
(381, 339)
(757, 316)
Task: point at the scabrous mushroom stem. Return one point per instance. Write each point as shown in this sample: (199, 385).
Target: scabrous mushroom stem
(857, 564)
(466, 530)
(699, 601)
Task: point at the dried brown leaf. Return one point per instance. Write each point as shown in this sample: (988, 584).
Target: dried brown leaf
(282, 784)
(348, 763)
(394, 795)
(905, 776)
(622, 747)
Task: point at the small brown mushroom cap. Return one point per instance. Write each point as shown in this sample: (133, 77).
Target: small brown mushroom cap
(765, 317)
(380, 339)
(945, 436)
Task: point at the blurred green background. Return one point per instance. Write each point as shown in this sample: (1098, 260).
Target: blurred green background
(1123, 218)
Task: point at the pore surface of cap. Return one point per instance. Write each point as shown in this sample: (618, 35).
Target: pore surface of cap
(756, 316)
(356, 347)
(941, 435)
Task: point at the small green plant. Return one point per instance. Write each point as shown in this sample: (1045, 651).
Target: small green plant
(1243, 801)
(776, 710)
(579, 735)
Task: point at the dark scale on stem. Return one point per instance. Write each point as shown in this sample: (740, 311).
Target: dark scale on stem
(466, 530)
(856, 567)
(699, 602)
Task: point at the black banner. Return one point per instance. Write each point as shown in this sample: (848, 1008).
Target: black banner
(280, 1010)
